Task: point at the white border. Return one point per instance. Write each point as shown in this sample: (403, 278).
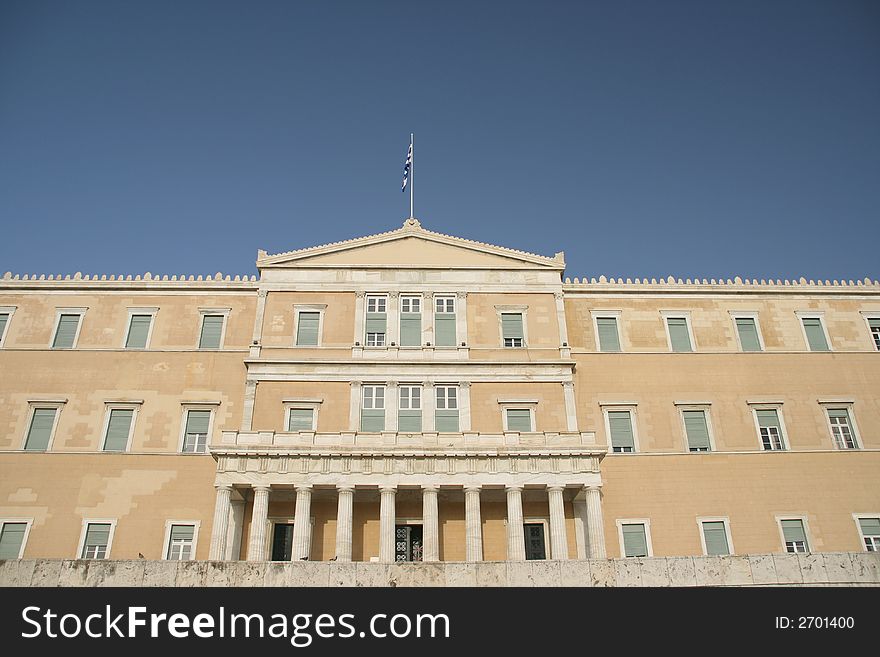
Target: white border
(828, 405)
(167, 539)
(300, 404)
(119, 406)
(68, 311)
(10, 310)
(866, 314)
(746, 314)
(856, 517)
(28, 522)
(707, 413)
(607, 314)
(633, 420)
(724, 519)
(546, 524)
(768, 406)
(212, 311)
(807, 533)
(522, 310)
(679, 314)
(186, 407)
(140, 311)
(33, 405)
(82, 535)
(814, 314)
(530, 406)
(634, 521)
(309, 308)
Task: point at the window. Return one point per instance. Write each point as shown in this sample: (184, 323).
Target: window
(67, 328)
(377, 319)
(118, 429)
(842, 430)
(96, 540)
(444, 321)
(697, 430)
(635, 538)
(409, 418)
(373, 409)
(608, 336)
(869, 529)
(13, 537)
(518, 419)
(747, 333)
(679, 333)
(301, 419)
(794, 535)
(140, 327)
(42, 428)
(211, 336)
(308, 325)
(814, 332)
(180, 541)
(873, 326)
(196, 429)
(6, 313)
(446, 411)
(410, 321)
(512, 329)
(620, 429)
(715, 541)
(770, 429)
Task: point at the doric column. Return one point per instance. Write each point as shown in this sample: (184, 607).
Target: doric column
(360, 317)
(461, 319)
(516, 541)
(386, 523)
(247, 411)
(343, 522)
(429, 406)
(464, 405)
(595, 524)
(570, 406)
(259, 517)
(354, 407)
(430, 524)
(392, 404)
(220, 528)
(393, 319)
(558, 539)
(473, 524)
(302, 524)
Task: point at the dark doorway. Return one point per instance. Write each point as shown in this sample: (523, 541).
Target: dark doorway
(408, 543)
(535, 546)
(282, 542)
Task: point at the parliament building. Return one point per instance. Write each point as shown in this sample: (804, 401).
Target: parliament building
(413, 396)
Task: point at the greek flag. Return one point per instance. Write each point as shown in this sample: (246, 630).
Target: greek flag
(406, 168)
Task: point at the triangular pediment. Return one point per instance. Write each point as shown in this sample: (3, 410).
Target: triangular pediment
(411, 247)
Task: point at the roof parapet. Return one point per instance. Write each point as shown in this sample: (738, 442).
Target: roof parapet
(736, 282)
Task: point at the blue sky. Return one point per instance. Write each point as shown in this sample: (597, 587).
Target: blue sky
(643, 138)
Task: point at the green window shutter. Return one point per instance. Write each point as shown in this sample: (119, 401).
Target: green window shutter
(4, 317)
(376, 322)
(410, 329)
(97, 534)
(444, 330)
(697, 429)
(512, 325)
(307, 329)
(118, 429)
(409, 421)
(197, 421)
(182, 532)
(716, 538)
(769, 418)
(873, 322)
(793, 530)
(41, 429)
(609, 339)
(635, 543)
(11, 539)
(748, 334)
(212, 329)
(64, 336)
(621, 429)
(839, 412)
(678, 334)
(372, 419)
(870, 526)
(519, 419)
(446, 420)
(138, 330)
(301, 419)
(815, 334)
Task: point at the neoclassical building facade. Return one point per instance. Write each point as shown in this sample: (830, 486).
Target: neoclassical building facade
(412, 396)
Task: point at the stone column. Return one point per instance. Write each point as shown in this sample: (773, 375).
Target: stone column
(516, 541)
(558, 538)
(428, 318)
(259, 517)
(257, 336)
(464, 405)
(570, 406)
(461, 319)
(354, 407)
(302, 524)
(595, 524)
(392, 404)
(564, 346)
(392, 322)
(360, 317)
(220, 528)
(473, 524)
(386, 523)
(247, 412)
(343, 522)
(430, 524)
(429, 406)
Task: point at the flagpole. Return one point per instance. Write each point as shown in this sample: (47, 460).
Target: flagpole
(412, 168)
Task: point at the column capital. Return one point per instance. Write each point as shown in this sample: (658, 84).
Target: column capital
(303, 488)
(392, 383)
(461, 295)
(593, 487)
(514, 487)
(387, 489)
(393, 295)
(559, 295)
(356, 384)
(223, 487)
(473, 488)
(568, 384)
(260, 488)
(430, 488)
(555, 487)
(344, 488)
(464, 384)
(360, 294)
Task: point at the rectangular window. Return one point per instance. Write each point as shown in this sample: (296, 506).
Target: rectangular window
(715, 537)
(4, 322)
(212, 331)
(301, 419)
(609, 339)
(635, 540)
(195, 437)
(377, 319)
(795, 536)
(446, 412)
(697, 430)
(409, 417)
(747, 329)
(519, 419)
(180, 543)
(40, 431)
(138, 331)
(97, 541)
(373, 409)
(815, 333)
(444, 321)
(870, 530)
(873, 323)
(512, 329)
(410, 321)
(118, 430)
(12, 539)
(66, 331)
(770, 429)
(679, 335)
(621, 429)
(842, 428)
(307, 324)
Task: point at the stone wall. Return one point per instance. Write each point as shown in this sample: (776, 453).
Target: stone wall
(821, 569)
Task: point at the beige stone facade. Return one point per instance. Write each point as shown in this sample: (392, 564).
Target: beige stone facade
(269, 417)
